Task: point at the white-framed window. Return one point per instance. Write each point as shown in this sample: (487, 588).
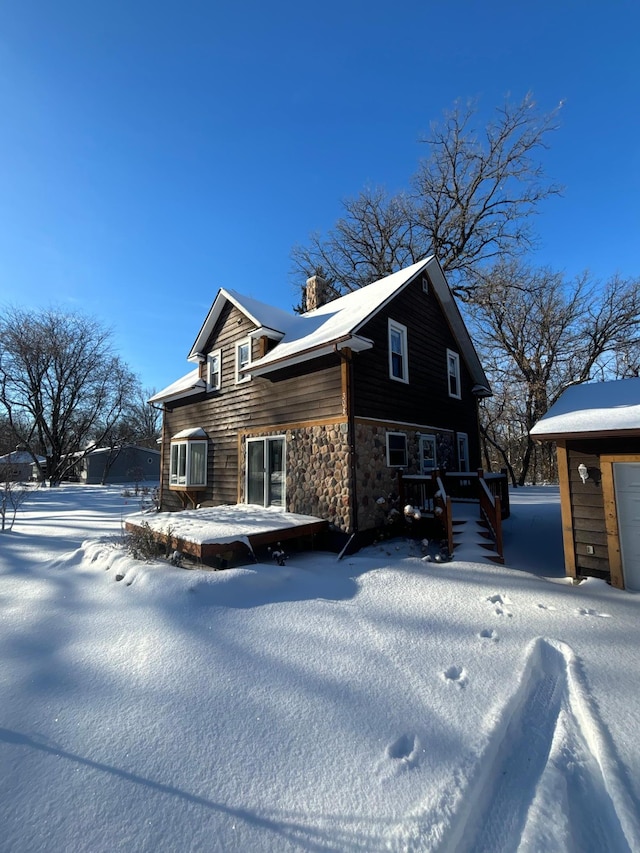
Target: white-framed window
(243, 359)
(214, 370)
(453, 374)
(396, 450)
(428, 454)
(398, 352)
(188, 464)
(463, 451)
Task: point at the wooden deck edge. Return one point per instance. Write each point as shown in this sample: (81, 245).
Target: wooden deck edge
(204, 550)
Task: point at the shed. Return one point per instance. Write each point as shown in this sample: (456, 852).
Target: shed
(19, 466)
(596, 427)
(126, 464)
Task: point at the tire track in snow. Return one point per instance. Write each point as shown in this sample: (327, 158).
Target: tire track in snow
(549, 778)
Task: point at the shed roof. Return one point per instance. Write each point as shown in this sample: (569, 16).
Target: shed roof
(593, 409)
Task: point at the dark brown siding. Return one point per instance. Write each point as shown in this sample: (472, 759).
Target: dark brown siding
(425, 399)
(310, 392)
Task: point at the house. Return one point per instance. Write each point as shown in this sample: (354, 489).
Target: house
(596, 427)
(316, 413)
(19, 466)
(127, 464)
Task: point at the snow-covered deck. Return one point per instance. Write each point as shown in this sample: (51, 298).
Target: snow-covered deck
(209, 532)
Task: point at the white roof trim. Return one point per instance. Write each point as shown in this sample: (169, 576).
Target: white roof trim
(183, 387)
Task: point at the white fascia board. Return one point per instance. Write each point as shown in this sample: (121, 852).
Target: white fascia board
(266, 332)
(353, 342)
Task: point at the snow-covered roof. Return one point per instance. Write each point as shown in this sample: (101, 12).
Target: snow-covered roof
(333, 326)
(593, 409)
(196, 432)
(183, 387)
(19, 457)
(336, 324)
(273, 321)
(98, 450)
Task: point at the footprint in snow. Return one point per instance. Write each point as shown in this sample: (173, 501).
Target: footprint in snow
(403, 749)
(500, 601)
(587, 611)
(401, 755)
(456, 675)
(545, 606)
(489, 634)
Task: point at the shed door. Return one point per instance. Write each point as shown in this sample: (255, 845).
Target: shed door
(626, 477)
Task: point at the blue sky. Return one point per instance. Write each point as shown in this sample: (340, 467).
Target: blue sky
(152, 152)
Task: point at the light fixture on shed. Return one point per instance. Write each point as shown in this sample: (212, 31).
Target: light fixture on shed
(582, 470)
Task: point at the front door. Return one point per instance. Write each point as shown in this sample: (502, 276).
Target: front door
(266, 471)
(626, 477)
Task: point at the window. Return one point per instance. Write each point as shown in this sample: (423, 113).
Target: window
(427, 454)
(243, 357)
(214, 370)
(398, 361)
(425, 284)
(396, 450)
(463, 451)
(453, 373)
(188, 465)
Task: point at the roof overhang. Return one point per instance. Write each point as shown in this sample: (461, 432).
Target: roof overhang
(592, 435)
(186, 386)
(355, 343)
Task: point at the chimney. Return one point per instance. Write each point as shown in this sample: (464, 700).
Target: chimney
(317, 292)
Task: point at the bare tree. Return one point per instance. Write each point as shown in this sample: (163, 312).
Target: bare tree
(145, 419)
(475, 192)
(59, 380)
(12, 495)
(537, 335)
(375, 237)
(470, 201)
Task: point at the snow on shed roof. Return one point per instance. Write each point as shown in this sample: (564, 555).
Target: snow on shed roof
(593, 408)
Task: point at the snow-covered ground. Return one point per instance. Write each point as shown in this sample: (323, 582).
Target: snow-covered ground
(378, 703)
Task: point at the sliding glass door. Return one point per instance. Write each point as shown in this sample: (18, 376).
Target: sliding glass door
(266, 471)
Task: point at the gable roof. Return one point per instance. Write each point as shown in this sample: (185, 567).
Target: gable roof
(329, 328)
(19, 457)
(593, 410)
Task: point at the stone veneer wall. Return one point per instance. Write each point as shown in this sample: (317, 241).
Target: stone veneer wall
(317, 460)
(375, 479)
(317, 463)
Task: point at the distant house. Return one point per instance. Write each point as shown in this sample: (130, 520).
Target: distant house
(596, 428)
(19, 466)
(127, 464)
(316, 413)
